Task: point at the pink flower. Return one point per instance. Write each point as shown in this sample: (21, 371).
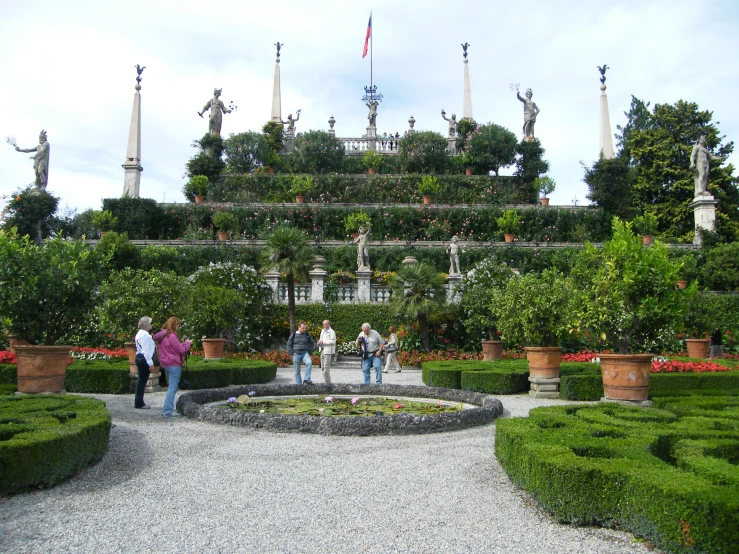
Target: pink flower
(355, 400)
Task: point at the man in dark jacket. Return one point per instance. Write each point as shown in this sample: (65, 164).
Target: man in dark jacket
(299, 346)
(717, 347)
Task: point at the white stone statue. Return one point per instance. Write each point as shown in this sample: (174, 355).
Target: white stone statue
(217, 109)
(700, 165)
(363, 240)
(452, 124)
(530, 111)
(453, 251)
(40, 160)
(372, 115)
(291, 122)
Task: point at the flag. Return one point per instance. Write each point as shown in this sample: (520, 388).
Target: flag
(366, 39)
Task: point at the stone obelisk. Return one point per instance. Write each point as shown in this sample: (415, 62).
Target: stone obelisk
(132, 165)
(606, 139)
(467, 105)
(276, 96)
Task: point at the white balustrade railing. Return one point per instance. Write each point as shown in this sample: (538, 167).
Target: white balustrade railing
(345, 294)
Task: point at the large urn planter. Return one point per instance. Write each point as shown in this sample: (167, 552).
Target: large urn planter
(492, 350)
(213, 348)
(131, 352)
(626, 376)
(15, 341)
(41, 368)
(544, 363)
(698, 348)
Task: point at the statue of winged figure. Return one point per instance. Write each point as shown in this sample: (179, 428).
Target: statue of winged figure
(602, 70)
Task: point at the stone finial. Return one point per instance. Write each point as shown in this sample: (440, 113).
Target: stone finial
(411, 123)
(409, 260)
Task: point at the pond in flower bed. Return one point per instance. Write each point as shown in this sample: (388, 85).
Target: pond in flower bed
(342, 406)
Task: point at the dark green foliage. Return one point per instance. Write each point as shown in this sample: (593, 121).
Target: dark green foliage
(6, 390)
(667, 475)
(122, 253)
(530, 165)
(498, 377)
(140, 218)
(46, 439)
(98, 377)
(8, 374)
(721, 268)
(209, 374)
(585, 386)
(30, 211)
(491, 147)
(423, 152)
(71, 224)
(610, 184)
(317, 152)
(346, 319)
(274, 135)
(245, 152)
(208, 161)
(497, 381)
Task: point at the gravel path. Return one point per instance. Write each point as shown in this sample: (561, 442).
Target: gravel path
(175, 485)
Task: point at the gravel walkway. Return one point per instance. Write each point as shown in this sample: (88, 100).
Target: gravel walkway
(175, 485)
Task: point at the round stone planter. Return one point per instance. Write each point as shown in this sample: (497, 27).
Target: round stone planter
(213, 348)
(626, 376)
(698, 348)
(492, 350)
(544, 361)
(484, 409)
(41, 368)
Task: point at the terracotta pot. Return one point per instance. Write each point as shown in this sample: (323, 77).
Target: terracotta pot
(103, 233)
(427, 200)
(646, 240)
(213, 348)
(509, 237)
(371, 170)
(468, 171)
(626, 376)
(545, 201)
(131, 351)
(41, 368)
(492, 350)
(682, 284)
(15, 341)
(222, 235)
(271, 170)
(199, 199)
(299, 199)
(698, 348)
(544, 361)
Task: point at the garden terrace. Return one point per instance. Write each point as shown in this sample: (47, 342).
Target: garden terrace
(193, 405)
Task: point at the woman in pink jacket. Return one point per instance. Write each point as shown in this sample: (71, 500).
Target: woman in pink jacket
(171, 355)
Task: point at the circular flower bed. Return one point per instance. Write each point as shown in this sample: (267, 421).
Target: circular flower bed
(484, 409)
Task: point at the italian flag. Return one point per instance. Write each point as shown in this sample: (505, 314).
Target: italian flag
(367, 38)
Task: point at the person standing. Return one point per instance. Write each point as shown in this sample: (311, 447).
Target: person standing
(327, 342)
(299, 346)
(717, 347)
(171, 356)
(145, 349)
(370, 342)
(391, 351)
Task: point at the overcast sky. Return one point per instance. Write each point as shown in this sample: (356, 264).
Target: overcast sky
(68, 67)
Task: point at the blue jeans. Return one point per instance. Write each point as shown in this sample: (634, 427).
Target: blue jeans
(297, 360)
(372, 361)
(144, 372)
(173, 381)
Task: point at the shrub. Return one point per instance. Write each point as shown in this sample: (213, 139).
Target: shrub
(545, 185)
(371, 159)
(646, 224)
(428, 186)
(8, 374)
(46, 439)
(196, 186)
(530, 165)
(302, 185)
(204, 374)
(30, 211)
(141, 218)
(497, 381)
(119, 251)
(98, 377)
(245, 152)
(208, 161)
(224, 221)
(721, 270)
(478, 291)
(491, 147)
(509, 222)
(423, 152)
(104, 220)
(317, 152)
(355, 220)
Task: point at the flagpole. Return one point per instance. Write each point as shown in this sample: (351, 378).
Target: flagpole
(372, 40)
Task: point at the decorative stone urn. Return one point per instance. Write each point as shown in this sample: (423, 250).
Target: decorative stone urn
(626, 376)
(213, 348)
(41, 368)
(492, 350)
(698, 348)
(544, 363)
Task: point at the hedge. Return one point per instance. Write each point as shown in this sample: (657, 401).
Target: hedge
(346, 319)
(666, 475)
(98, 377)
(211, 374)
(46, 439)
(7, 389)
(8, 374)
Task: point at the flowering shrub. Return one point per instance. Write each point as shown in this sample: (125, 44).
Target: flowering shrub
(87, 353)
(579, 357)
(7, 357)
(675, 366)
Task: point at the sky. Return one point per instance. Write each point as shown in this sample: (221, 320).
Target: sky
(68, 68)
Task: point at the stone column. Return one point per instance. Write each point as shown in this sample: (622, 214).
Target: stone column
(273, 280)
(452, 145)
(276, 115)
(317, 279)
(704, 208)
(363, 285)
(132, 165)
(606, 138)
(454, 280)
(467, 105)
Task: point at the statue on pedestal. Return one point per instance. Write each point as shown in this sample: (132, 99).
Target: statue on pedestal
(530, 111)
(363, 240)
(452, 124)
(40, 160)
(291, 122)
(700, 165)
(453, 251)
(217, 109)
(372, 115)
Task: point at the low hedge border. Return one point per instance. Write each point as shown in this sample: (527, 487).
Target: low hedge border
(663, 474)
(98, 377)
(8, 375)
(209, 374)
(45, 439)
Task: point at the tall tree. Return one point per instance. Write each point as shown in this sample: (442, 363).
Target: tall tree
(491, 147)
(288, 251)
(530, 165)
(610, 183)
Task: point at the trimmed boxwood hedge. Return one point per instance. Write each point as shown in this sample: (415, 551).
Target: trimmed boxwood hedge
(8, 374)
(98, 377)
(203, 374)
(668, 475)
(46, 439)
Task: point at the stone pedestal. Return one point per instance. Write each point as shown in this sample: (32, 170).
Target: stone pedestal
(454, 280)
(317, 279)
(273, 280)
(704, 208)
(544, 388)
(363, 284)
(451, 145)
(152, 385)
(289, 141)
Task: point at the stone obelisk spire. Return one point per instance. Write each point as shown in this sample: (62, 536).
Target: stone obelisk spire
(606, 139)
(132, 165)
(467, 105)
(276, 96)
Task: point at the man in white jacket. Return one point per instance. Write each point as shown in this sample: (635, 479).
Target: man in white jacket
(327, 342)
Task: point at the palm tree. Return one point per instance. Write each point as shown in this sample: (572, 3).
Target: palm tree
(288, 251)
(418, 291)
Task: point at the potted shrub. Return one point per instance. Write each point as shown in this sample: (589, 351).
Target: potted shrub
(46, 296)
(545, 185)
(646, 226)
(104, 221)
(466, 161)
(688, 271)
(698, 323)
(477, 290)
(196, 188)
(428, 187)
(354, 221)
(371, 160)
(225, 222)
(509, 224)
(535, 312)
(626, 295)
(301, 185)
